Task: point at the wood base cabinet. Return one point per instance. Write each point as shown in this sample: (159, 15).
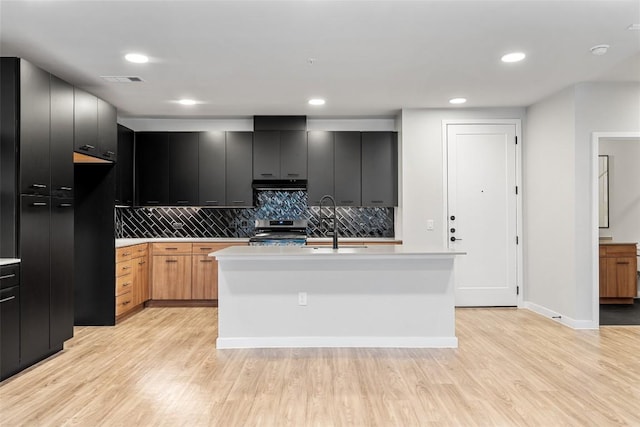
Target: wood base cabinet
(185, 272)
(132, 279)
(618, 273)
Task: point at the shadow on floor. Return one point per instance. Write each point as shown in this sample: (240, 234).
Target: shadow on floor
(620, 314)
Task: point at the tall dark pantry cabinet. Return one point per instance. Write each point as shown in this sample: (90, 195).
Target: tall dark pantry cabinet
(37, 139)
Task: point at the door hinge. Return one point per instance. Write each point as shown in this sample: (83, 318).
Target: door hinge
(517, 240)
(516, 189)
(517, 290)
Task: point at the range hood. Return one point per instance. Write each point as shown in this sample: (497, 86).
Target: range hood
(279, 184)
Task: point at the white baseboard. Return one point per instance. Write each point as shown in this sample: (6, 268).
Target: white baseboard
(560, 318)
(306, 342)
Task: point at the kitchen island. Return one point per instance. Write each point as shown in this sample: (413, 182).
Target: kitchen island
(369, 296)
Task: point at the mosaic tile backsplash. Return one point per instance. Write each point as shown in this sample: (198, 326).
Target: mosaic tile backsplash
(221, 222)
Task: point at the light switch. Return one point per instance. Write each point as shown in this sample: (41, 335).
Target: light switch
(430, 224)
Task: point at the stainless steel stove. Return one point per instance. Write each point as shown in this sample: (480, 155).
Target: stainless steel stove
(279, 232)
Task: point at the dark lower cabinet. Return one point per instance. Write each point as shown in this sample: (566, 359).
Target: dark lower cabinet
(35, 287)
(9, 320)
(61, 286)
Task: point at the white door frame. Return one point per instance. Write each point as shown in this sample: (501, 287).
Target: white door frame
(445, 170)
(595, 225)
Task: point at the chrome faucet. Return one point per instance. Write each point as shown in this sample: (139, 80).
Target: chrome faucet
(335, 222)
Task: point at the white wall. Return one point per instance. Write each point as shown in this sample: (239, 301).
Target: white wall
(624, 189)
(421, 189)
(558, 200)
(549, 209)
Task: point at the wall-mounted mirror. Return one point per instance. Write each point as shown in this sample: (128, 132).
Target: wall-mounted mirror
(603, 190)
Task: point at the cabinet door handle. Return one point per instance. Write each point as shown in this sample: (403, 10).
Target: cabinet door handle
(206, 260)
(7, 299)
(235, 202)
(38, 204)
(346, 201)
(171, 260)
(376, 201)
(182, 202)
(266, 174)
(171, 249)
(152, 202)
(293, 174)
(622, 262)
(126, 254)
(205, 249)
(38, 186)
(64, 205)
(65, 188)
(126, 268)
(87, 147)
(109, 153)
(211, 201)
(142, 262)
(7, 276)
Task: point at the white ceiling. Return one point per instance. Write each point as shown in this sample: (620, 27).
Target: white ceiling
(371, 58)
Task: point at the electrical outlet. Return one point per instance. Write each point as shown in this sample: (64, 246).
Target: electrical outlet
(429, 224)
(302, 298)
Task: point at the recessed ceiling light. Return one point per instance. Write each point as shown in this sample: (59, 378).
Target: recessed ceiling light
(457, 100)
(600, 49)
(513, 57)
(137, 58)
(187, 102)
(316, 101)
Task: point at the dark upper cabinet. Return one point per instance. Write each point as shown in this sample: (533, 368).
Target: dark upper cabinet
(238, 168)
(124, 167)
(266, 154)
(34, 129)
(61, 138)
(293, 154)
(212, 169)
(379, 169)
(320, 160)
(152, 166)
(85, 123)
(62, 246)
(107, 130)
(183, 168)
(280, 155)
(95, 127)
(347, 168)
(34, 287)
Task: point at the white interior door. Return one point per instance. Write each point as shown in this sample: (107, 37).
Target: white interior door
(482, 212)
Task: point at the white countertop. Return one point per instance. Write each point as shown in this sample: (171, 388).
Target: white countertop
(311, 252)
(347, 240)
(9, 261)
(128, 242)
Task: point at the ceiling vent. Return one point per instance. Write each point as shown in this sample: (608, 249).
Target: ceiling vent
(122, 79)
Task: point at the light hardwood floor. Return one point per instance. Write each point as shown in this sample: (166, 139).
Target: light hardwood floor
(161, 368)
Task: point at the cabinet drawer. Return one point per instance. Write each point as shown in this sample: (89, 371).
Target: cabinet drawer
(123, 254)
(123, 303)
(124, 284)
(123, 268)
(9, 276)
(138, 251)
(207, 248)
(171, 248)
(620, 250)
